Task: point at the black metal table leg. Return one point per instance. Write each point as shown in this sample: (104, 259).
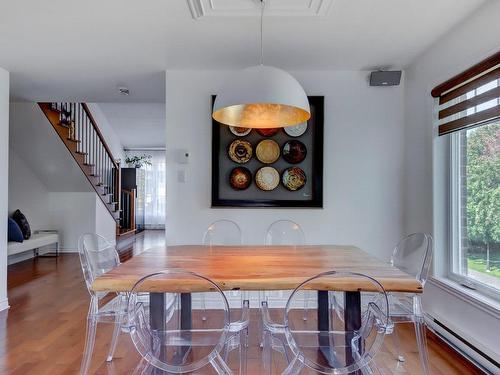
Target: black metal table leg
(186, 324)
(352, 319)
(158, 321)
(324, 327)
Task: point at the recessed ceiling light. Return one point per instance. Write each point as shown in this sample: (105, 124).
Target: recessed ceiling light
(123, 90)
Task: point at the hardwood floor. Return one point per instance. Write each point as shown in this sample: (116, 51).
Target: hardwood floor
(44, 330)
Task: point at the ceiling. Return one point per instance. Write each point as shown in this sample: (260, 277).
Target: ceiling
(82, 51)
(138, 125)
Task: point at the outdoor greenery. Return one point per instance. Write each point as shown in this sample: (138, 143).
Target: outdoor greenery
(483, 196)
(477, 262)
(138, 160)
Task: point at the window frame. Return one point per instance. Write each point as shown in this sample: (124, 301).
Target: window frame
(454, 212)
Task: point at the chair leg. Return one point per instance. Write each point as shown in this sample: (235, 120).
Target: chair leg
(306, 305)
(266, 353)
(294, 368)
(227, 348)
(203, 308)
(143, 368)
(220, 366)
(89, 346)
(262, 298)
(372, 369)
(422, 345)
(397, 345)
(114, 339)
(243, 351)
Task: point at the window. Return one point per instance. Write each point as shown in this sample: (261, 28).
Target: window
(155, 191)
(475, 186)
(469, 113)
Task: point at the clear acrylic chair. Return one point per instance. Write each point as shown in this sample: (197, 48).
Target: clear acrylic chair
(98, 256)
(285, 232)
(223, 233)
(343, 344)
(173, 340)
(413, 255)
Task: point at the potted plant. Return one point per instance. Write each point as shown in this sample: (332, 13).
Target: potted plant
(138, 161)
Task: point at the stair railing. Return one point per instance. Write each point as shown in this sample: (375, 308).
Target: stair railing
(91, 143)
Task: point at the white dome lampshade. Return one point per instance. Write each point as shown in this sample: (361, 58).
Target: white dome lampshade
(262, 97)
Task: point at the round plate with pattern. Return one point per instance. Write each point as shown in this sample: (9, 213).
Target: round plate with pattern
(267, 132)
(296, 130)
(239, 131)
(240, 178)
(267, 178)
(267, 151)
(294, 152)
(240, 151)
(294, 178)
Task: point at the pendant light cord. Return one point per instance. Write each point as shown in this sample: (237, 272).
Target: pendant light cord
(263, 2)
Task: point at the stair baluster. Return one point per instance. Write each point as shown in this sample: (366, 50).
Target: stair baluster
(76, 127)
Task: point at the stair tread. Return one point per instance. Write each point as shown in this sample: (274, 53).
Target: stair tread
(73, 140)
(81, 153)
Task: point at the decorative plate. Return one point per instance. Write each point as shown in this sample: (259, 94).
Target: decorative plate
(296, 130)
(294, 178)
(267, 151)
(239, 131)
(268, 132)
(294, 152)
(240, 178)
(267, 178)
(240, 151)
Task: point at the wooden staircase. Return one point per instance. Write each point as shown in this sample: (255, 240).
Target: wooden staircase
(79, 132)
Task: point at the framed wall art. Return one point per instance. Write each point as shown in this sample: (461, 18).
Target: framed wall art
(281, 167)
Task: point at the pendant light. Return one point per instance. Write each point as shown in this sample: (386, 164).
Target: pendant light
(262, 97)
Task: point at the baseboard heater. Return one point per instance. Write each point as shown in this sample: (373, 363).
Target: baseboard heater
(452, 338)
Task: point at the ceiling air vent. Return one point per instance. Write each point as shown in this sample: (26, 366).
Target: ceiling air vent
(242, 8)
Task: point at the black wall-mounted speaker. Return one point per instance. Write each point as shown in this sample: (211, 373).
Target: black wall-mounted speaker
(385, 78)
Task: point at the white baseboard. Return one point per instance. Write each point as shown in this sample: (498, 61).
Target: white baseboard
(68, 250)
(4, 304)
(16, 258)
(471, 350)
(276, 300)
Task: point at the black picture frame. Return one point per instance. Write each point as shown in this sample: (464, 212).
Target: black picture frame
(317, 121)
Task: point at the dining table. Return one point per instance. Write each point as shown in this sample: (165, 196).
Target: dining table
(258, 268)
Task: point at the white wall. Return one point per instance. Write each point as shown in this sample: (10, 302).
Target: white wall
(74, 214)
(425, 153)
(105, 225)
(28, 193)
(109, 134)
(4, 183)
(48, 158)
(47, 184)
(363, 163)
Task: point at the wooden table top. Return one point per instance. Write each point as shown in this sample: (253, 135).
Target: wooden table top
(255, 268)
